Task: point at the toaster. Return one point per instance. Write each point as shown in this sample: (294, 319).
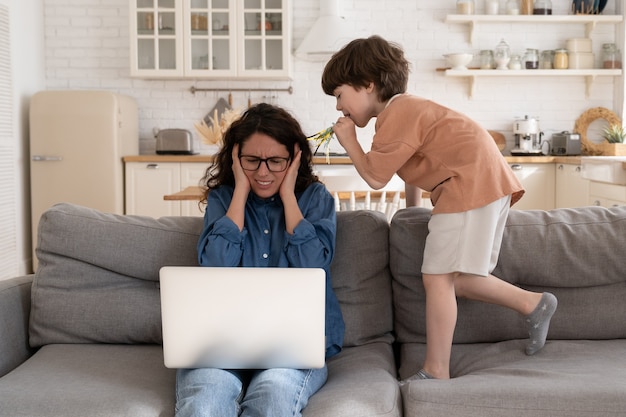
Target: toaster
(174, 142)
(565, 143)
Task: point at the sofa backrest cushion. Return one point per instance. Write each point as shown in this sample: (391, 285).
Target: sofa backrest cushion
(97, 280)
(361, 276)
(575, 253)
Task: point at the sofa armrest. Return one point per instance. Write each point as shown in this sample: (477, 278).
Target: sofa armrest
(14, 314)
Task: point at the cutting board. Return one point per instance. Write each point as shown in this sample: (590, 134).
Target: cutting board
(498, 138)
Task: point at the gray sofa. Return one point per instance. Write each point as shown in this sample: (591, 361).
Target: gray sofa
(82, 337)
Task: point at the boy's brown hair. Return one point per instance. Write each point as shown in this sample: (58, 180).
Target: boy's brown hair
(368, 60)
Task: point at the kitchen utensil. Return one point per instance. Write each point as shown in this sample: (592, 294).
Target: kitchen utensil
(528, 137)
(565, 143)
(581, 60)
(459, 61)
(578, 45)
(174, 142)
(588, 6)
(216, 112)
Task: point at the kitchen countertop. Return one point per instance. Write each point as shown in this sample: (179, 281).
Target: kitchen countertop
(344, 160)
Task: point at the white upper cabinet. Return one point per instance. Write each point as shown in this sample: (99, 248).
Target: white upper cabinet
(210, 39)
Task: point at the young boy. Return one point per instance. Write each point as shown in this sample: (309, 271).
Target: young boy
(472, 187)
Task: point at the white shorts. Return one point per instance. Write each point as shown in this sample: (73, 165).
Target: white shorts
(467, 242)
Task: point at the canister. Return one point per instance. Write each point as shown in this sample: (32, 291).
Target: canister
(465, 6)
(486, 59)
(546, 59)
(611, 56)
(561, 60)
(531, 59)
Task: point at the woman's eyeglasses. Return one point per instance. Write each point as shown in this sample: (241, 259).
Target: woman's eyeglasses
(274, 164)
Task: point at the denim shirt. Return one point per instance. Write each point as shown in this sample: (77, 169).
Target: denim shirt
(264, 241)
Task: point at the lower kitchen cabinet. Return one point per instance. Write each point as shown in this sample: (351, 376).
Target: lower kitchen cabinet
(572, 190)
(606, 195)
(147, 182)
(539, 182)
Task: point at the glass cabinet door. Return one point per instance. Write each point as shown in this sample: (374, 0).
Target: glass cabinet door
(210, 44)
(265, 43)
(155, 41)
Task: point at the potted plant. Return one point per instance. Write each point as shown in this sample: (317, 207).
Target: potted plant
(615, 136)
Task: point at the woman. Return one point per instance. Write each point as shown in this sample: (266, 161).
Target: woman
(265, 208)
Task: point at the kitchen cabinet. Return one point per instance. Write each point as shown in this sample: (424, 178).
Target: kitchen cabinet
(606, 195)
(539, 182)
(572, 190)
(590, 22)
(210, 39)
(147, 182)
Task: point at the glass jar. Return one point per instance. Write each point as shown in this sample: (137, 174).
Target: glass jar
(486, 59)
(531, 59)
(465, 6)
(527, 7)
(512, 7)
(546, 59)
(542, 7)
(561, 59)
(516, 62)
(502, 55)
(611, 56)
(492, 7)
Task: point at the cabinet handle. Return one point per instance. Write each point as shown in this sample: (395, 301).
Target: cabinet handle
(152, 166)
(597, 203)
(517, 167)
(579, 168)
(46, 158)
(561, 167)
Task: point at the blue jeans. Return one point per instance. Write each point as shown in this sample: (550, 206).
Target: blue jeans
(278, 392)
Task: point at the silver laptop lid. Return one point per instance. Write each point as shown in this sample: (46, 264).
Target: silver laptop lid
(243, 318)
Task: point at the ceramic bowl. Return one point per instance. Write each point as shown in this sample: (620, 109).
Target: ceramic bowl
(459, 61)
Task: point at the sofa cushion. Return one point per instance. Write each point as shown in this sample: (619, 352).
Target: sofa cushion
(361, 382)
(90, 380)
(573, 253)
(361, 276)
(97, 279)
(568, 378)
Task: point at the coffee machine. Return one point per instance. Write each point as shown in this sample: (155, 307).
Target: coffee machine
(528, 137)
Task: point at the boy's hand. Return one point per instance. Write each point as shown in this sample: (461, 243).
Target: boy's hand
(345, 130)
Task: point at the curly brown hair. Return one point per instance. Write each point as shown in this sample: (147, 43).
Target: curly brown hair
(272, 121)
(368, 60)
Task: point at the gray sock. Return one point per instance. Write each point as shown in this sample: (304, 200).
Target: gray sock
(539, 322)
(421, 374)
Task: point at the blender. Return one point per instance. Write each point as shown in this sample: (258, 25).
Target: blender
(528, 137)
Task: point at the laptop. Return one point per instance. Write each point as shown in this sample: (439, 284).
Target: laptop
(243, 318)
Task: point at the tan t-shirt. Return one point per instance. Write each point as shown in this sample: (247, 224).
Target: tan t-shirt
(441, 151)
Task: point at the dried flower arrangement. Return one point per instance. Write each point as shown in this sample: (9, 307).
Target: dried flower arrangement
(213, 133)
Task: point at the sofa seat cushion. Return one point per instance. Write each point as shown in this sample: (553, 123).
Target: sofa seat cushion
(361, 382)
(567, 378)
(90, 380)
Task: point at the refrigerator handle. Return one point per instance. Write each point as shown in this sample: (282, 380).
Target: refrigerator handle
(46, 158)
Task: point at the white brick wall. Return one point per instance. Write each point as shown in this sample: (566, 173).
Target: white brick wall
(87, 46)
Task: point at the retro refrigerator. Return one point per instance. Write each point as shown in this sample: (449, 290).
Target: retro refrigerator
(77, 141)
